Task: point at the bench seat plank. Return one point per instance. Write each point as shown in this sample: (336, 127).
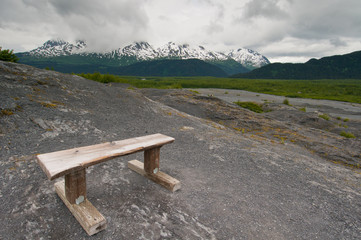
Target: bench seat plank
(57, 164)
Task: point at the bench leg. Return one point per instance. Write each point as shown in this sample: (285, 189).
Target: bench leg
(150, 169)
(151, 160)
(75, 186)
(72, 190)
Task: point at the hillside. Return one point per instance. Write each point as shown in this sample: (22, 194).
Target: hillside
(186, 68)
(66, 57)
(346, 66)
(283, 174)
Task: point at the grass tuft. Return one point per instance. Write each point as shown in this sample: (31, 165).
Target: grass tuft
(250, 106)
(303, 109)
(194, 91)
(347, 134)
(325, 116)
(7, 112)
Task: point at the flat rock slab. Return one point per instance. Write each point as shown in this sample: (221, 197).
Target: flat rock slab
(234, 185)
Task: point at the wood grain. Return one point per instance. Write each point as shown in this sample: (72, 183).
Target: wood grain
(57, 164)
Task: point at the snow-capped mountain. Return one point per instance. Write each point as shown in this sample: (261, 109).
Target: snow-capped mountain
(248, 57)
(54, 48)
(142, 51)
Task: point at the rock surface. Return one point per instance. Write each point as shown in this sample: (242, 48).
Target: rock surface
(287, 175)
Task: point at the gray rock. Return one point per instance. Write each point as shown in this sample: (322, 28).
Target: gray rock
(235, 185)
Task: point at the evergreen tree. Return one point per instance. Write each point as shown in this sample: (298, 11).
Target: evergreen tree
(8, 55)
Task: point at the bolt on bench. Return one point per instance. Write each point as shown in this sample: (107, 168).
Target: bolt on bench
(72, 164)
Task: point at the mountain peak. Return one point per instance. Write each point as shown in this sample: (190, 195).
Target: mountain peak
(248, 58)
(58, 47)
(54, 42)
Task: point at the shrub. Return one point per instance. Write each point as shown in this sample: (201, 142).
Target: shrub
(8, 55)
(286, 102)
(49, 68)
(347, 134)
(250, 106)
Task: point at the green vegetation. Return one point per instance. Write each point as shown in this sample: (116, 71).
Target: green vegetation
(341, 90)
(8, 55)
(127, 66)
(325, 116)
(51, 68)
(303, 109)
(194, 91)
(250, 106)
(347, 134)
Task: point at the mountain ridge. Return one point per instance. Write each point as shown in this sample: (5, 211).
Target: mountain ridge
(235, 61)
(346, 66)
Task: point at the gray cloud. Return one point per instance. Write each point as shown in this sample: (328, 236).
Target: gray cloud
(264, 8)
(279, 29)
(104, 25)
(326, 19)
(99, 23)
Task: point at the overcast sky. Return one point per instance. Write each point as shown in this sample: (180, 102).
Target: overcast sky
(282, 30)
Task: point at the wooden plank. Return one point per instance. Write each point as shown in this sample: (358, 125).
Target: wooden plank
(57, 164)
(87, 215)
(75, 186)
(151, 160)
(161, 178)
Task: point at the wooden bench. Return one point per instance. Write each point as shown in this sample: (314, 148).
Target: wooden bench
(72, 164)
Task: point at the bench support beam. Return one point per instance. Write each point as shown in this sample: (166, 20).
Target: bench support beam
(161, 178)
(87, 215)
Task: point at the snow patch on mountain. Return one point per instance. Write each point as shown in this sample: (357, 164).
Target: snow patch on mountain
(172, 50)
